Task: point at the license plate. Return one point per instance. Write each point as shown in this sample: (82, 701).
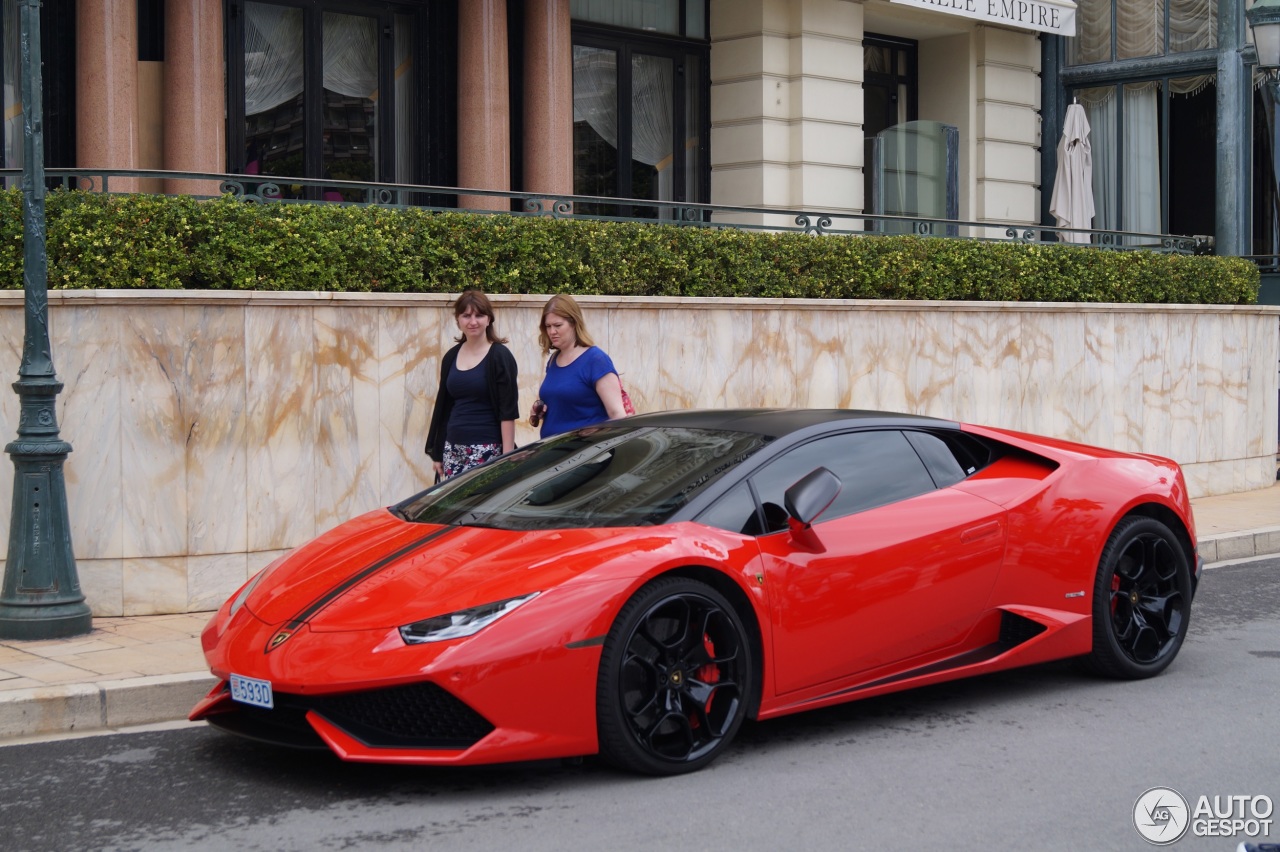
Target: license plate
(249, 690)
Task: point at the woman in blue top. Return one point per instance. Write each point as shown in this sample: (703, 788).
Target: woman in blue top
(581, 387)
(474, 419)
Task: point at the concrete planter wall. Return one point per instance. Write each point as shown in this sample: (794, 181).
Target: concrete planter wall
(213, 431)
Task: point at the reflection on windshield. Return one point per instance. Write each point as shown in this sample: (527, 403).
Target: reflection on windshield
(604, 476)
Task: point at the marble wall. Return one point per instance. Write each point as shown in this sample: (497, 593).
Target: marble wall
(212, 431)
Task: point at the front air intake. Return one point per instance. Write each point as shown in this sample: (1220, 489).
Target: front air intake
(415, 715)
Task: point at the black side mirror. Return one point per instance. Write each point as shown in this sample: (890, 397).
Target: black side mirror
(811, 496)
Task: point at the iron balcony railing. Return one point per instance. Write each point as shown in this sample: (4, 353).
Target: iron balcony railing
(286, 190)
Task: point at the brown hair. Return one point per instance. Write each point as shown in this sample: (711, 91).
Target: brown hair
(562, 304)
(478, 300)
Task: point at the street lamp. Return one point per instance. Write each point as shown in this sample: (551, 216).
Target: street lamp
(41, 597)
(1264, 20)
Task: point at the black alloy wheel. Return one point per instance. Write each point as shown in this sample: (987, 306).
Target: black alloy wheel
(674, 680)
(1141, 600)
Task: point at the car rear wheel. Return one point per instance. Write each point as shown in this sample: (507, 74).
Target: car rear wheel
(674, 679)
(1141, 600)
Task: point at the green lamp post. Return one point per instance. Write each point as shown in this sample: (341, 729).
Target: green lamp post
(41, 597)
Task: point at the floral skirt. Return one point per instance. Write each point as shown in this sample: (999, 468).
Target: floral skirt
(459, 458)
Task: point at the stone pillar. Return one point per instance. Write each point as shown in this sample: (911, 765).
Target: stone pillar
(107, 87)
(194, 94)
(484, 120)
(786, 131)
(548, 97)
(1006, 130)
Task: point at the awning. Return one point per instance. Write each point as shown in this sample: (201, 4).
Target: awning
(1046, 16)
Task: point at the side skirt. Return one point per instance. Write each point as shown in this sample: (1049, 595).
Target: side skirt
(1016, 646)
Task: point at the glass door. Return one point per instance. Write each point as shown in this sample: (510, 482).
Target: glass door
(305, 84)
(638, 125)
(349, 87)
(890, 95)
(274, 103)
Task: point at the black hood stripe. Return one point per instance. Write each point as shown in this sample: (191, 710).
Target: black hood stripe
(282, 635)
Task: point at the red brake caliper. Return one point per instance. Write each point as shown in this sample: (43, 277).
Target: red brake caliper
(1115, 587)
(709, 673)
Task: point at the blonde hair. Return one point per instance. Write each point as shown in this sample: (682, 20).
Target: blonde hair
(478, 300)
(563, 305)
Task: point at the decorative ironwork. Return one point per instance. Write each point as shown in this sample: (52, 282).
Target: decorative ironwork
(823, 221)
(549, 206)
(254, 189)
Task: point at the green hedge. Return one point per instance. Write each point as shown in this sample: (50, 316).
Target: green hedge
(131, 241)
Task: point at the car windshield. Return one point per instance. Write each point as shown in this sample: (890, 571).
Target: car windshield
(602, 476)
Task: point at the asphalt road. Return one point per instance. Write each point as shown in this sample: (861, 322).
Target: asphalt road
(1036, 759)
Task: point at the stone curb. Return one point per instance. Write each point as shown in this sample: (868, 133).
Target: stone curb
(1240, 545)
(77, 707)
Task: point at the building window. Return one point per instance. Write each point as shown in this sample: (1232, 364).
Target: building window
(640, 117)
(1113, 30)
(672, 17)
(12, 86)
(889, 82)
(1266, 179)
(307, 85)
(1150, 142)
(1144, 72)
(57, 50)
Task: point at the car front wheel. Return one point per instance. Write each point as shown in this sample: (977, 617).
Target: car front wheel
(674, 679)
(1141, 600)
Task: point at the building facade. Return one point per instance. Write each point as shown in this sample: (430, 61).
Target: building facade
(950, 108)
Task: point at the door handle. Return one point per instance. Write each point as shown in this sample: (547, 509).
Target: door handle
(980, 531)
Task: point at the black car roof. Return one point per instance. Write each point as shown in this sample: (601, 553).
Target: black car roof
(777, 422)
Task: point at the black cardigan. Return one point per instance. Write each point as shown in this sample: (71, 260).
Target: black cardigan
(504, 394)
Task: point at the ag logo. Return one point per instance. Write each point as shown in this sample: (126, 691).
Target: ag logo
(1161, 816)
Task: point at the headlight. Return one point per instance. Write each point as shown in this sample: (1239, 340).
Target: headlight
(244, 593)
(464, 622)
(247, 589)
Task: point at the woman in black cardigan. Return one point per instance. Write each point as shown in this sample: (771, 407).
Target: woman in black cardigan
(474, 419)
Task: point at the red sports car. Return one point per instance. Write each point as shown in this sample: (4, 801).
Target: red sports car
(638, 589)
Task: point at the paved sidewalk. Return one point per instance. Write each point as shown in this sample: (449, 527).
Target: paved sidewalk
(149, 669)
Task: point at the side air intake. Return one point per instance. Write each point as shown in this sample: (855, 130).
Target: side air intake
(1016, 629)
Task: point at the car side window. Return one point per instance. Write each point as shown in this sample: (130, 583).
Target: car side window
(735, 512)
(875, 469)
(950, 456)
(938, 458)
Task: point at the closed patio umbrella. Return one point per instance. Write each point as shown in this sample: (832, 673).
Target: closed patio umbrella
(1072, 202)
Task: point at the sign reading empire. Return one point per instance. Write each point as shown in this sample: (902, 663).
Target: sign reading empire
(1051, 16)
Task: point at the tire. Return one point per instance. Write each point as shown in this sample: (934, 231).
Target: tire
(1141, 600)
(675, 677)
